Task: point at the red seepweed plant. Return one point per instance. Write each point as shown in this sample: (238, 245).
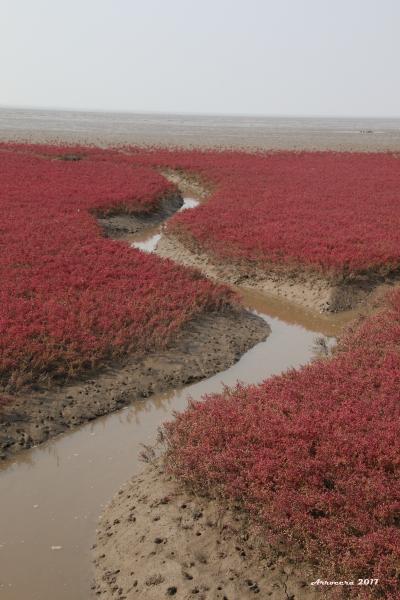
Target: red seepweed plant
(71, 300)
(332, 213)
(313, 455)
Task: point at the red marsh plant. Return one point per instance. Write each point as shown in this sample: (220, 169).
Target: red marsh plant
(332, 213)
(71, 300)
(313, 455)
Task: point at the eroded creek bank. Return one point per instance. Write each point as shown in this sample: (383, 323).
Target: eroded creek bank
(204, 346)
(52, 495)
(308, 290)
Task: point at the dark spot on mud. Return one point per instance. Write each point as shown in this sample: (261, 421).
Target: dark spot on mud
(71, 157)
(329, 484)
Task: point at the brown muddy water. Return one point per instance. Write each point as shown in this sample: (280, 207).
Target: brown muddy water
(52, 495)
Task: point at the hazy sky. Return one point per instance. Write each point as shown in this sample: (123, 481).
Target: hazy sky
(271, 57)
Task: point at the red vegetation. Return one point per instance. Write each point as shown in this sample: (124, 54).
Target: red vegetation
(70, 299)
(334, 213)
(314, 454)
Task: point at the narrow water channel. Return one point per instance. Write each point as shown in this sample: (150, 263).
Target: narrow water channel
(51, 496)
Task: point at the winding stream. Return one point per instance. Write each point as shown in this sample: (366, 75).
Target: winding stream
(51, 496)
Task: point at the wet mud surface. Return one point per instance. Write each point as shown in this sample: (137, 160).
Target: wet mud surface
(121, 226)
(157, 540)
(205, 346)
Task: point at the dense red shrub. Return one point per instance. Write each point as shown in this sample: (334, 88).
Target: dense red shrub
(314, 454)
(334, 213)
(69, 298)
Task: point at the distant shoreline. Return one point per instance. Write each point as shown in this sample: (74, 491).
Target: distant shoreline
(251, 133)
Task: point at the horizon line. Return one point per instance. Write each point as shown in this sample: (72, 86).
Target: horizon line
(196, 114)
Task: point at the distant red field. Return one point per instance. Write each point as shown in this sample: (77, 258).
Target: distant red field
(71, 300)
(314, 455)
(329, 212)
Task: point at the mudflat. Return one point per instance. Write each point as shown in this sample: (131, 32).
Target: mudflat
(156, 540)
(277, 133)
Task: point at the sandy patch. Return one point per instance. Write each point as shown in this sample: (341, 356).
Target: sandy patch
(205, 346)
(156, 540)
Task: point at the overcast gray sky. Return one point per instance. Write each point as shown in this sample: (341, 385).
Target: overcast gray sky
(269, 57)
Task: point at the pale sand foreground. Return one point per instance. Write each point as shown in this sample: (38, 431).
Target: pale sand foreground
(156, 540)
